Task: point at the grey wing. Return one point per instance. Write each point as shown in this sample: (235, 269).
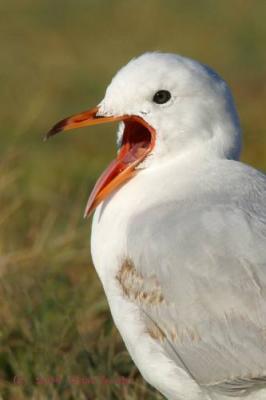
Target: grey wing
(199, 276)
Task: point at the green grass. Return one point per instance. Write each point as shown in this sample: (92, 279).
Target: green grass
(56, 59)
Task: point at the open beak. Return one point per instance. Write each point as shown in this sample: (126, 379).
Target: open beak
(137, 142)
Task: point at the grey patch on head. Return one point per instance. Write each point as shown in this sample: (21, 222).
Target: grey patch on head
(120, 132)
(213, 74)
(144, 112)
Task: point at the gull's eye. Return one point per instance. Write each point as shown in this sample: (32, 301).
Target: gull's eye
(161, 97)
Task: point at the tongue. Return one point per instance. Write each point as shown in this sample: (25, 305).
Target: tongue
(134, 153)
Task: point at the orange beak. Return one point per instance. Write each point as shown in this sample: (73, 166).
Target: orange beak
(137, 142)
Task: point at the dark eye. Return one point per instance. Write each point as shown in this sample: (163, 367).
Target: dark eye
(161, 97)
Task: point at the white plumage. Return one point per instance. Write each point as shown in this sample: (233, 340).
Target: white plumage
(180, 247)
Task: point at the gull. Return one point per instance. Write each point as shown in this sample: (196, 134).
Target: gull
(179, 231)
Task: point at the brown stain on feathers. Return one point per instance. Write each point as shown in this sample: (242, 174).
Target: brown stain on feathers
(146, 291)
(143, 290)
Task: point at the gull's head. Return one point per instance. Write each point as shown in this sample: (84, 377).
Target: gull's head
(168, 106)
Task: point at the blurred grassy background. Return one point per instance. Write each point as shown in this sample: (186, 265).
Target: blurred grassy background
(56, 59)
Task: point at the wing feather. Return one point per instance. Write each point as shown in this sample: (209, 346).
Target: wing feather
(206, 260)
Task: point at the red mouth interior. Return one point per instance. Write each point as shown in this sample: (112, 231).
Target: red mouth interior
(137, 141)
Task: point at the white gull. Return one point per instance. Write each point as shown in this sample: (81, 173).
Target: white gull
(179, 231)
